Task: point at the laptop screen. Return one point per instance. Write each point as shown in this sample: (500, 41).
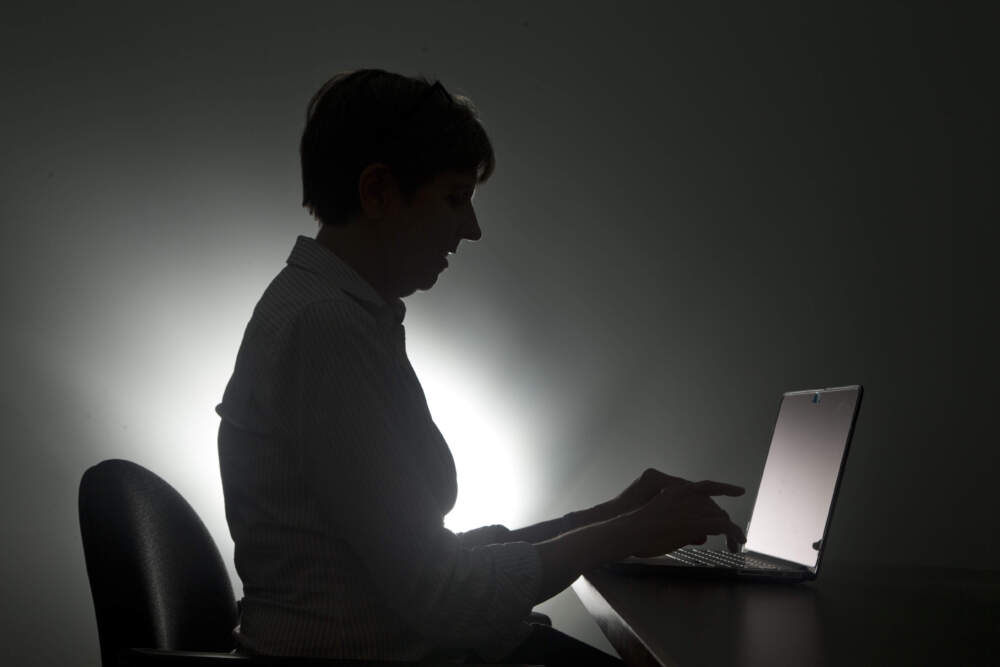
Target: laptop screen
(800, 474)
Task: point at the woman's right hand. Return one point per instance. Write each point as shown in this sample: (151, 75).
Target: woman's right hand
(680, 516)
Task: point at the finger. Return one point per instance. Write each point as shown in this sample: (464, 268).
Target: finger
(718, 526)
(722, 525)
(734, 538)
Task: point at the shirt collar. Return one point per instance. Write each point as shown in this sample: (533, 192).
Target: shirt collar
(310, 255)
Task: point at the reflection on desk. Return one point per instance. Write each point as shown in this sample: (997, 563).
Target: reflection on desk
(854, 614)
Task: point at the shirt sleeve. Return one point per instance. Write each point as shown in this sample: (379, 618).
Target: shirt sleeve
(465, 592)
(478, 537)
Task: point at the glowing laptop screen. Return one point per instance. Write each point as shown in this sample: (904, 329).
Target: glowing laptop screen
(800, 474)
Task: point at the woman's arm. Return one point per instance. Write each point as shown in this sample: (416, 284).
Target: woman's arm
(546, 530)
(646, 487)
(685, 514)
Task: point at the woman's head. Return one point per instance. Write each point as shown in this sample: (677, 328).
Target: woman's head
(372, 116)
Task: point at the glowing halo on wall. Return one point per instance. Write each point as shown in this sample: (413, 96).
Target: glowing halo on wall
(484, 438)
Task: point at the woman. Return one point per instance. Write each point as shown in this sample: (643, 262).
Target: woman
(336, 479)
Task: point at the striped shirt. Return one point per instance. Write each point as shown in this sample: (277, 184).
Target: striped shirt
(337, 481)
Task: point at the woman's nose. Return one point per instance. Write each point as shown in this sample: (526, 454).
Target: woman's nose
(471, 230)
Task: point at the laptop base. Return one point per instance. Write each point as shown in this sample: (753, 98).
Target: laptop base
(663, 568)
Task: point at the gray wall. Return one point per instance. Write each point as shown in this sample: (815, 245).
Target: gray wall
(694, 210)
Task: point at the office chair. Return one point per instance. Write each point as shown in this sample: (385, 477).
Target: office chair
(161, 592)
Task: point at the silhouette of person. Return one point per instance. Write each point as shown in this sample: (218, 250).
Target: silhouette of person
(336, 479)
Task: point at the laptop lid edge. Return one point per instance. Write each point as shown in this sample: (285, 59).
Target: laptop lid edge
(840, 476)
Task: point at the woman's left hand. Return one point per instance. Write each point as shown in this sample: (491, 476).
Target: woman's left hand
(649, 485)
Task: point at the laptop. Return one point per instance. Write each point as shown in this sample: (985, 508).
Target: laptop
(790, 523)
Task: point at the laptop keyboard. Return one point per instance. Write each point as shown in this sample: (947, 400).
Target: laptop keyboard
(714, 558)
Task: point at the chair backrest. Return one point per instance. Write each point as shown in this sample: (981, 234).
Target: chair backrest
(156, 575)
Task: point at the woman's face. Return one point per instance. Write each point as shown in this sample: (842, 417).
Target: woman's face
(440, 216)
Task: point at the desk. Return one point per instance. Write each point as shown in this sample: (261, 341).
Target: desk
(853, 614)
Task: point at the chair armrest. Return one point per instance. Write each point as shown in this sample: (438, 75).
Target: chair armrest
(150, 657)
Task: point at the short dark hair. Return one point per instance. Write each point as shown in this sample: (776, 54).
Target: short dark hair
(360, 117)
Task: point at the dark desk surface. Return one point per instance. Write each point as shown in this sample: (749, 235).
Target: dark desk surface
(852, 614)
